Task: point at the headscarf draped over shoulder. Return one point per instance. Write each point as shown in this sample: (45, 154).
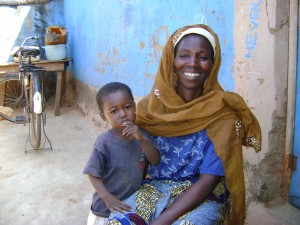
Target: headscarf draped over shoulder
(225, 115)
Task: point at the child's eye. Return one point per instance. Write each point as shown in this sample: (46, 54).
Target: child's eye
(113, 111)
(128, 107)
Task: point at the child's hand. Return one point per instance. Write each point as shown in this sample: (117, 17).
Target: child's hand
(115, 205)
(132, 129)
(151, 153)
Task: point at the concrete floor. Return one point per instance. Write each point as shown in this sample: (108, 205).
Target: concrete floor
(48, 187)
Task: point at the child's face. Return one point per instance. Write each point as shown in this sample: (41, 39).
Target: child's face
(118, 108)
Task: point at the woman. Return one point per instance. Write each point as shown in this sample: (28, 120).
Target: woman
(200, 130)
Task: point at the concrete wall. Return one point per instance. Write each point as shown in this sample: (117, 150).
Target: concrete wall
(261, 68)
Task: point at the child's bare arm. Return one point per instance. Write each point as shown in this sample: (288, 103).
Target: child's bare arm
(112, 203)
(152, 154)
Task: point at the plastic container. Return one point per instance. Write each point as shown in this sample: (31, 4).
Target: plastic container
(56, 52)
(56, 35)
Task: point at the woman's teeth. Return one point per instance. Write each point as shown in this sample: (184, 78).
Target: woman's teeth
(192, 74)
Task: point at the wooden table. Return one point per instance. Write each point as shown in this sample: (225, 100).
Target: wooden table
(59, 67)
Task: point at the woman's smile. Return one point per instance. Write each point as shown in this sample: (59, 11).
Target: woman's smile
(193, 74)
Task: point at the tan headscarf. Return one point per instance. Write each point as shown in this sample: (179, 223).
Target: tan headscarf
(226, 117)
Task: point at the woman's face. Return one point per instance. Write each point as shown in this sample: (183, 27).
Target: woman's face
(193, 63)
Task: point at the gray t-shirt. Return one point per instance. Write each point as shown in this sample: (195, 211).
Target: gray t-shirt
(119, 163)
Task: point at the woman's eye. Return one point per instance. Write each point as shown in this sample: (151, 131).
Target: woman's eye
(203, 57)
(183, 56)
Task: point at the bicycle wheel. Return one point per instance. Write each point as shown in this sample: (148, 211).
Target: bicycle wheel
(35, 112)
(11, 91)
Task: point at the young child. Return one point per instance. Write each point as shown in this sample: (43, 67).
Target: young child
(117, 162)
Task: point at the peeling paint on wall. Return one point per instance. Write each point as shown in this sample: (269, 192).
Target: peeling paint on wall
(131, 37)
(158, 41)
(142, 45)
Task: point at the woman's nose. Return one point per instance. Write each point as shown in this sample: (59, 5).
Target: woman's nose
(193, 60)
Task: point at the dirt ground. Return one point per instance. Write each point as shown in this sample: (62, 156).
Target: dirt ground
(48, 187)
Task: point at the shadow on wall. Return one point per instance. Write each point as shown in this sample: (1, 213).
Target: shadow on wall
(26, 21)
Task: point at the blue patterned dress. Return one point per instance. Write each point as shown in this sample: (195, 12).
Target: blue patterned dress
(183, 159)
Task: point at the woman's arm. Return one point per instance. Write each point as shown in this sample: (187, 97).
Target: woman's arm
(190, 199)
(111, 202)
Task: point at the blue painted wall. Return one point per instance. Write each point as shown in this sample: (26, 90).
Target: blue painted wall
(122, 39)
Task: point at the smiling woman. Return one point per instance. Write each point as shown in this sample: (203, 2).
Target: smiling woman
(199, 129)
